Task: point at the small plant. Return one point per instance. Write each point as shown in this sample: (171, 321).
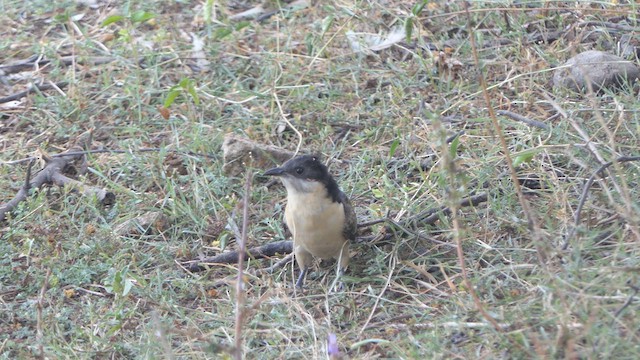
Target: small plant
(184, 86)
(415, 12)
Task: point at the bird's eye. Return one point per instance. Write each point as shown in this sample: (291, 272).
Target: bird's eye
(299, 170)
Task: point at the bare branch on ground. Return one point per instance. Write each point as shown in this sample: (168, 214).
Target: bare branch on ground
(286, 246)
(52, 174)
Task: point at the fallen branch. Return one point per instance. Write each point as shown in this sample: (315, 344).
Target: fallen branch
(526, 120)
(41, 87)
(52, 174)
(34, 62)
(260, 252)
(429, 217)
(286, 246)
(111, 151)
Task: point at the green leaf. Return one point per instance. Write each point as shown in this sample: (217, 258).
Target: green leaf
(326, 24)
(222, 33)
(417, 8)
(308, 41)
(348, 12)
(408, 28)
(241, 25)
(453, 147)
(54, 281)
(171, 97)
(194, 95)
(112, 19)
(128, 285)
(223, 239)
(525, 157)
(393, 147)
(124, 33)
(377, 193)
(62, 18)
(115, 328)
(184, 83)
(117, 283)
(208, 9)
(141, 16)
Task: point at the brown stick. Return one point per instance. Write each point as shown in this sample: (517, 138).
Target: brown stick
(286, 246)
(260, 252)
(111, 151)
(526, 120)
(35, 61)
(35, 87)
(103, 196)
(240, 290)
(52, 174)
(430, 216)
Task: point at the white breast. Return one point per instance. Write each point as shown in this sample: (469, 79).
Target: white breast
(316, 222)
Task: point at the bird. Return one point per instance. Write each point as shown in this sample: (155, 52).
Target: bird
(318, 214)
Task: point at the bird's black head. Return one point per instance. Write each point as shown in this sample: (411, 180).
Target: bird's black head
(307, 167)
(304, 174)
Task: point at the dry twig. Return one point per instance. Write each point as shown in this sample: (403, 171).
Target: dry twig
(52, 174)
(585, 193)
(286, 246)
(260, 252)
(240, 290)
(111, 151)
(39, 321)
(34, 62)
(34, 88)
(518, 117)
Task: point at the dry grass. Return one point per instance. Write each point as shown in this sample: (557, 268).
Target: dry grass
(72, 287)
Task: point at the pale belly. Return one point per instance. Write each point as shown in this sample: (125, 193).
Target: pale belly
(317, 228)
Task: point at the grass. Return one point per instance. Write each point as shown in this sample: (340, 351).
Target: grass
(73, 286)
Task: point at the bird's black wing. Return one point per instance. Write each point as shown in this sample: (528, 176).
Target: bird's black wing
(350, 219)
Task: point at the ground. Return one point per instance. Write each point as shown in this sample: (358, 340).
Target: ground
(404, 129)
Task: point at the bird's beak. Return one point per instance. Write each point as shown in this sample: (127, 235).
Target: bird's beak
(274, 172)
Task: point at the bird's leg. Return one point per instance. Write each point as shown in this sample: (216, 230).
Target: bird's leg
(300, 282)
(304, 260)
